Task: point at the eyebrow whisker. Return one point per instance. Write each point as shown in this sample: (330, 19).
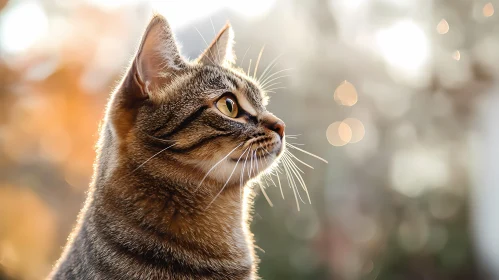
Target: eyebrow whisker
(258, 61)
(269, 67)
(244, 56)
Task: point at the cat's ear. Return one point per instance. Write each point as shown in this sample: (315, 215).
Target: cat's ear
(220, 50)
(158, 57)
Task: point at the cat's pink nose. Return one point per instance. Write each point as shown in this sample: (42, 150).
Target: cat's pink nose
(274, 123)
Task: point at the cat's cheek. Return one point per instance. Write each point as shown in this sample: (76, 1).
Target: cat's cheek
(280, 150)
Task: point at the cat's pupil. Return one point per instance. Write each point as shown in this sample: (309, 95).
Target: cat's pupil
(229, 104)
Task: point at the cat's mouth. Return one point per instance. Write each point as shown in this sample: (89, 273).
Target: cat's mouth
(271, 152)
(265, 156)
(259, 149)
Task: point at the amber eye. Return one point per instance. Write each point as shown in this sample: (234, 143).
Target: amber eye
(228, 106)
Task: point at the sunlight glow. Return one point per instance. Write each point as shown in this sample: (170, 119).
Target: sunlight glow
(21, 25)
(349, 5)
(180, 13)
(111, 4)
(404, 45)
(255, 8)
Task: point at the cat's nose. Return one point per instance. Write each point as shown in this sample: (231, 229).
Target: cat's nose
(273, 123)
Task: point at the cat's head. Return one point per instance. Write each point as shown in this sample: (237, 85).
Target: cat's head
(203, 115)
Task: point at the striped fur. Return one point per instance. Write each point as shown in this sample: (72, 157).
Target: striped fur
(156, 208)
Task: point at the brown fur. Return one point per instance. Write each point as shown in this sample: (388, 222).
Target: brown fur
(152, 212)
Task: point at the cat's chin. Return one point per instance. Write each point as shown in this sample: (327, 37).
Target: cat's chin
(240, 170)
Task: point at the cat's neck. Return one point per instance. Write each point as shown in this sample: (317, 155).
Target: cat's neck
(171, 206)
(161, 219)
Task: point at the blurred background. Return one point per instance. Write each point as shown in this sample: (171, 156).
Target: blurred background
(399, 96)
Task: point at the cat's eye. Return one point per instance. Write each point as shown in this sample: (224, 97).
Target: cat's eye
(228, 106)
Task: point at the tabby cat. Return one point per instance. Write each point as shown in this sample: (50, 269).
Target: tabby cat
(170, 197)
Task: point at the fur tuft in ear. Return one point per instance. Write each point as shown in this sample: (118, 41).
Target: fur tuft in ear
(220, 51)
(158, 57)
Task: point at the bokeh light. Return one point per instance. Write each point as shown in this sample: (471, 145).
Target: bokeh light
(357, 129)
(345, 94)
(456, 55)
(338, 134)
(488, 10)
(443, 27)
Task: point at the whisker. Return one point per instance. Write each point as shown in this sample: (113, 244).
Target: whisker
(265, 150)
(280, 186)
(259, 182)
(294, 182)
(265, 194)
(293, 174)
(278, 169)
(277, 175)
(213, 26)
(251, 166)
(241, 177)
(267, 82)
(273, 74)
(269, 67)
(270, 174)
(265, 177)
(291, 184)
(298, 177)
(272, 90)
(286, 164)
(297, 144)
(258, 60)
(215, 34)
(299, 169)
(256, 161)
(308, 153)
(249, 68)
(202, 37)
(156, 154)
(304, 185)
(269, 86)
(302, 162)
(158, 139)
(216, 164)
(244, 56)
(226, 182)
(266, 183)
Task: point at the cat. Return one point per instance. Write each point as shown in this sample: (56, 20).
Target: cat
(177, 142)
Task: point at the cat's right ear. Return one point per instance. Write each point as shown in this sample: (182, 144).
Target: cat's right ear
(157, 59)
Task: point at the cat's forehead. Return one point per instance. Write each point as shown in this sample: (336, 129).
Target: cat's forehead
(244, 88)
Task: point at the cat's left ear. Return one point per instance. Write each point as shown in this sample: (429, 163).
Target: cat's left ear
(220, 51)
(158, 57)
